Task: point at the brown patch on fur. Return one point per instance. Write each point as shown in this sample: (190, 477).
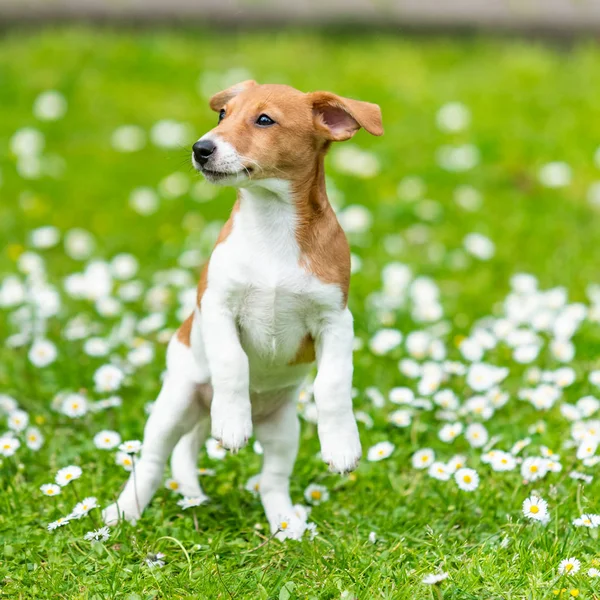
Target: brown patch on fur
(306, 352)
(184, 331)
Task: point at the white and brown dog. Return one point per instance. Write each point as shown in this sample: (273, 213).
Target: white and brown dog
(271, 301)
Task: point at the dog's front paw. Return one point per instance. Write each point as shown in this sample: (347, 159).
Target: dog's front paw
(341, 450)
(231, 423)
(114, 513)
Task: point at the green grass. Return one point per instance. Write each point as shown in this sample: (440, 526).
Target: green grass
(530, 105)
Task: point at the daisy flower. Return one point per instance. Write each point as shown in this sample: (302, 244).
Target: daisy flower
(380, 451)
(125, 460)
(107, 440)
(8, 445)
(253, 485)
(50, 489)
(83, 508)
(477, 435)
(58, 523)
(423, 458)
(68, 474)
(316, 494)
(569, 566)
(203, 471)
(467, 479)
(131, 446)
(99, 535)
(533, 468)
(291, 527)
(535, 508)
(42, 353)
(155, 560)
(401, 395)
(449, 432)
(400, 418)
(172, 485)
(438, 470)
(503, 461)
(434, 578)
(587, 520)
(34, 438)
(458, 461)
(215, 450)
(108, 378)
(593, 572)
(74, 406)
(187, 502)
(18, 420)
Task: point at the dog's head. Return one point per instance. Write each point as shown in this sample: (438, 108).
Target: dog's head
(268, 132)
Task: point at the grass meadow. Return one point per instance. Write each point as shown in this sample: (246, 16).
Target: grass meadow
(474, 224)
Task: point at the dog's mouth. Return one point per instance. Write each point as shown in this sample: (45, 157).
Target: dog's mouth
(218, 175)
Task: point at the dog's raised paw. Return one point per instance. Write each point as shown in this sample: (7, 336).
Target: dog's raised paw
(230, 428)
(341, 452)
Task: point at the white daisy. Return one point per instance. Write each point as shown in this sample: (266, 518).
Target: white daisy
(467, 479)
(42, 353)
(68, 474)
(458, 461)
(380, 451)
(253, 485)
(125, 460)
(569, 566)
(384, 341)
(131, 446)
(215, 450)
(34, 438)
(587, 520)
(99, 535)
(107, 440)
(534, 468)
(593, 572)
(8, 445)
(187, 502)
(316, 494)
(50, 489)
(535, 508)
(18, 420)
(58, 523)
(422, 459)
(438, 470)
(172, 485)
(401, 395)
(400, 418)
(108, 378)
(155, 560)
(83, 508)
(477, 435)
(449, 432)
(74, 405)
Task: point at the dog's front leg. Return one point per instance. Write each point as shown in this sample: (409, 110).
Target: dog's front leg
(338, 433)
(230, 411)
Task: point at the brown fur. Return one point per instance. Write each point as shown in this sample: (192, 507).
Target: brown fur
(305, 353)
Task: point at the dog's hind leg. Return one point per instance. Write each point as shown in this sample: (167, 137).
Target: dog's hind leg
(175, 412)
(279, 436)
(184, 460)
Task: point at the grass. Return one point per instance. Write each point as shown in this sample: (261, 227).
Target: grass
(530, 104)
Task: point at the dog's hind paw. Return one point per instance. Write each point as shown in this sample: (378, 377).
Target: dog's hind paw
(112, 514)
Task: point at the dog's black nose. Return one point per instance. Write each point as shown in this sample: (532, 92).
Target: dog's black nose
(202, 150)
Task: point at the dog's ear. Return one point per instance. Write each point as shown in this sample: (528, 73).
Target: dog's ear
(220, 99)
(338, 119)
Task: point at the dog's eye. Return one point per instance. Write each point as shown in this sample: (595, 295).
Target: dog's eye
(264, 121)
(221, 114)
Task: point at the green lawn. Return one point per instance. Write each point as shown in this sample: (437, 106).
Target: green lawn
(529, 105)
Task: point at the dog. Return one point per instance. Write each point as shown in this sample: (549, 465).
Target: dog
(271, 301)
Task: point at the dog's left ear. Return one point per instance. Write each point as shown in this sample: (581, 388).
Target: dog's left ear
(220, 99)
(338, 119)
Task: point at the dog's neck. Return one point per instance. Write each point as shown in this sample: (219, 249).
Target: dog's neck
(279, 213)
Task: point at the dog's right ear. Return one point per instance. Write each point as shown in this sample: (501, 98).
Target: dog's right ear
(220, 99)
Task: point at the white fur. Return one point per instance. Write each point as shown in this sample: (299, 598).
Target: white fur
(258, 306)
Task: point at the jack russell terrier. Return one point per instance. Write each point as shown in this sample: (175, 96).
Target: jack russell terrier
(271, 301)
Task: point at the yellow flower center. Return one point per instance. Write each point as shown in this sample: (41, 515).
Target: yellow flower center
(534, 509)
(568, 567)
(127, 462)
(316, 495)
(467, 479)
(533, 468)
(68, 476)
(424, 458)
(173, 485)
(6, 446)
(284, 525)
(50, 492)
